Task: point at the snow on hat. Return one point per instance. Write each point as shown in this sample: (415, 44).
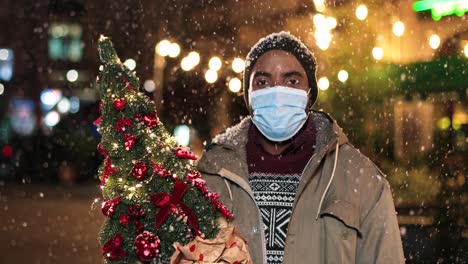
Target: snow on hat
(286, 42)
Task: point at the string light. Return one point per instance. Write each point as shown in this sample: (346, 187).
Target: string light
(434, 41)
(377, 52)
(342, 76)
(238, 65)
(398, 28)
(215, 63)
(235, 85)
(361, 12)
(323, 83)
(211, 76)
(163, 47)
(174, 50)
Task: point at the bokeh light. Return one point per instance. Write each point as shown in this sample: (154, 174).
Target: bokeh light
(174, 50)
(323, 83)
(211, 76)
(434, 41)
(377, 53)
(361, 12)
(149, 86)
(215, 63)
(72, 75)
(398, 28)
(130, 64)
(235, 85)
(182, 135)
(238, 65)
(51, 119)
(342, 76)
(163, 47)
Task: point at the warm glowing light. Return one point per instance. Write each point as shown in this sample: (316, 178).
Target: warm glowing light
(2, 88)
(194, 58)
(185, 64)
(319, 5)
(163, 47)
(323, 38)
(235, 85)
(174, 50)
(331, 22)
(215, 63)
(130, 64)
(465, 50)
(211, 76)
(361, 12)
(398, 28)
(434, 41)
(319, 20)
(377, 52)
(72, 75)
(323, 83)
(238, 65)
(342, 76)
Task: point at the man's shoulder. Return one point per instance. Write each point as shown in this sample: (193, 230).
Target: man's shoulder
(361, 165)
(361, 180)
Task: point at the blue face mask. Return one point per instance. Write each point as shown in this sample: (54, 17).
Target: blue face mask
(279, 112)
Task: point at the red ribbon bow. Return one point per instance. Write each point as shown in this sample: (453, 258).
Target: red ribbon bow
(166, 202)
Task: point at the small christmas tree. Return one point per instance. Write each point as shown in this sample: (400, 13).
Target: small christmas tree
(152, 194)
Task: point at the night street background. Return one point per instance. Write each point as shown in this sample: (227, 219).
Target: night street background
(394, 74)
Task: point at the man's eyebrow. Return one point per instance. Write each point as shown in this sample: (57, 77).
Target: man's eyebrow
(260, 73)
(293, 73)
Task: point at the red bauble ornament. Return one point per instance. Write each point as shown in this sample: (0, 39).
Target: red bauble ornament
(119, 104)
(112, 250)
(146, 246)
(184, 153)
(159, 169)
(151, 120)
(122, 123)
(125, 219)
(108, 206)
(139, 170)
(129, 141)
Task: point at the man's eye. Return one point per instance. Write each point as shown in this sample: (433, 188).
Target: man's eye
(261, 82)
(293, 81)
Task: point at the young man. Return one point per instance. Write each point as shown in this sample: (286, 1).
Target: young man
(299, 191)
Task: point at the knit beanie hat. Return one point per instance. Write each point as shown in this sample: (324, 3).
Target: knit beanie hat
(286, 42)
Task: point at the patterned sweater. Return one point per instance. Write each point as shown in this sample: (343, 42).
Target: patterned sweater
(274, 180)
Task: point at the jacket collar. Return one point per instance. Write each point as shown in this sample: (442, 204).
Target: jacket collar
(327, 131)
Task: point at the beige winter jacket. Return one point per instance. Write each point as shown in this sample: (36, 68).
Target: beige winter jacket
(343, 211)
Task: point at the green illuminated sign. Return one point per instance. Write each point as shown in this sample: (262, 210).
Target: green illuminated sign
(440, 8)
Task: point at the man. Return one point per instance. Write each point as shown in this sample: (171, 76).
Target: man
(299, 191)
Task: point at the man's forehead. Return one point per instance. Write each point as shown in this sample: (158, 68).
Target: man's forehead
(274, 60)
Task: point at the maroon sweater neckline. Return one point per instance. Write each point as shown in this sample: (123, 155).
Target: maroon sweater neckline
(291, 161)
